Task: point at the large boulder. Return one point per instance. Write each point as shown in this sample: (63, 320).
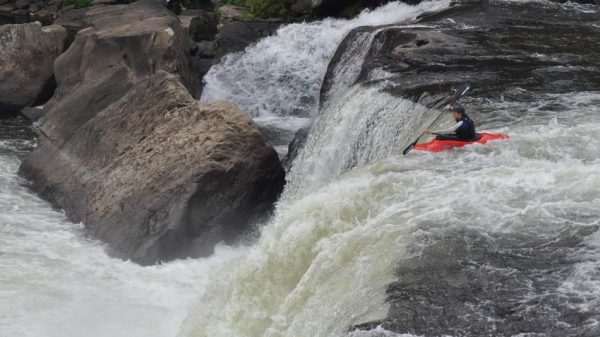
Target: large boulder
(157, 174)
(125, 149)
(201, 25)
(27, 54)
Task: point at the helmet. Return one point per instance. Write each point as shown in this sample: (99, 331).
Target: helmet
(458, 108)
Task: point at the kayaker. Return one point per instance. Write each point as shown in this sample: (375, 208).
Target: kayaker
(464, 129)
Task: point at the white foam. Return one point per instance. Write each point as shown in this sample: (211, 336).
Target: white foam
(323, 263)
(281, 75)
(55, 282)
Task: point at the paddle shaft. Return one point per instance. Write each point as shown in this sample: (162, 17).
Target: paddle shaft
(457, 96)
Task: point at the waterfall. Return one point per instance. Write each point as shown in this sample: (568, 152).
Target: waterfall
(278, 80)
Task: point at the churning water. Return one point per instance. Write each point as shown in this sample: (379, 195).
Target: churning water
(355, 209)
(323, 263)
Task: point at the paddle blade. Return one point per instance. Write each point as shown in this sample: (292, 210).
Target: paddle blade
(410, 147)
(461, 91)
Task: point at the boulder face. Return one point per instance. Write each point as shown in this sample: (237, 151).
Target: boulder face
(122, 44)
(159, 175)
(27, 54)
(125, 149)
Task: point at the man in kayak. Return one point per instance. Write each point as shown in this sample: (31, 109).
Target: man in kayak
(464, 129)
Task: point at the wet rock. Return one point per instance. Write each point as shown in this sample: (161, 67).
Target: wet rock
(207, 49)
(457, 282)
(32, 113)
(295, 147)
(201, 25)
(236, 36)
(157, 174)
(515, 45)
(27, 56)
(21, 4)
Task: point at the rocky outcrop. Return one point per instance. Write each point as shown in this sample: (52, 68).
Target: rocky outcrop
(125, 149)
(24, 11)
(122, 44)
(27, 54)
(537, 54)
(237, 35)
(201, 25)
(159, 175)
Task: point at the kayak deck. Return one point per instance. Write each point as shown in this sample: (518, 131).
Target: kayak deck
(436, 145)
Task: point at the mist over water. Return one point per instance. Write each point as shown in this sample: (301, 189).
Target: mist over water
(354, 209)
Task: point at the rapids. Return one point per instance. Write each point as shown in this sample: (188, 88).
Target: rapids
(355, 209)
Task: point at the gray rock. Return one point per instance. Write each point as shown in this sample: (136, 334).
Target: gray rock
(201, 25)
(157, 174)
(125, 149)
(32, 113)
(295, 147)
(27, 55)
(236, 36)
(121, 44)
(21, 4)
(534, 56)
(232, 13)
(207, 49)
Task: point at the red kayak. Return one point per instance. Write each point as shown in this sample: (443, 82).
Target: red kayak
(436, 145)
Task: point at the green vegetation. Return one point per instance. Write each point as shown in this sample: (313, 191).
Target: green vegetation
(265, 8)
(77, 3)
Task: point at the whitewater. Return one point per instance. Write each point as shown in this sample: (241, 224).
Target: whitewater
(353, 209)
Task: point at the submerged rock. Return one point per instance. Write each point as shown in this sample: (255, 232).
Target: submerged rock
(159, 175)
(27, 54)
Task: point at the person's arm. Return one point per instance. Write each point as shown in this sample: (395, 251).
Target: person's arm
(447, 131)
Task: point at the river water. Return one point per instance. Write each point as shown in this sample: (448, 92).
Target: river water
(353, 212)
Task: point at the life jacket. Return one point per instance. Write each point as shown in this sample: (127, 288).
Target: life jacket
(467, 129)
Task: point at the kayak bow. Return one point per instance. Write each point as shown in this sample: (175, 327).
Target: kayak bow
(436, 145)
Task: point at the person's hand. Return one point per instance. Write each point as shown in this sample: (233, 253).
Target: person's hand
(427, 132)
(448, 107)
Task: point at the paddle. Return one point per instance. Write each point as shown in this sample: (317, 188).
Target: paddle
(460, 92)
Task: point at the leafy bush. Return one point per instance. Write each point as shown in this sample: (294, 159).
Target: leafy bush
(78, 3)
